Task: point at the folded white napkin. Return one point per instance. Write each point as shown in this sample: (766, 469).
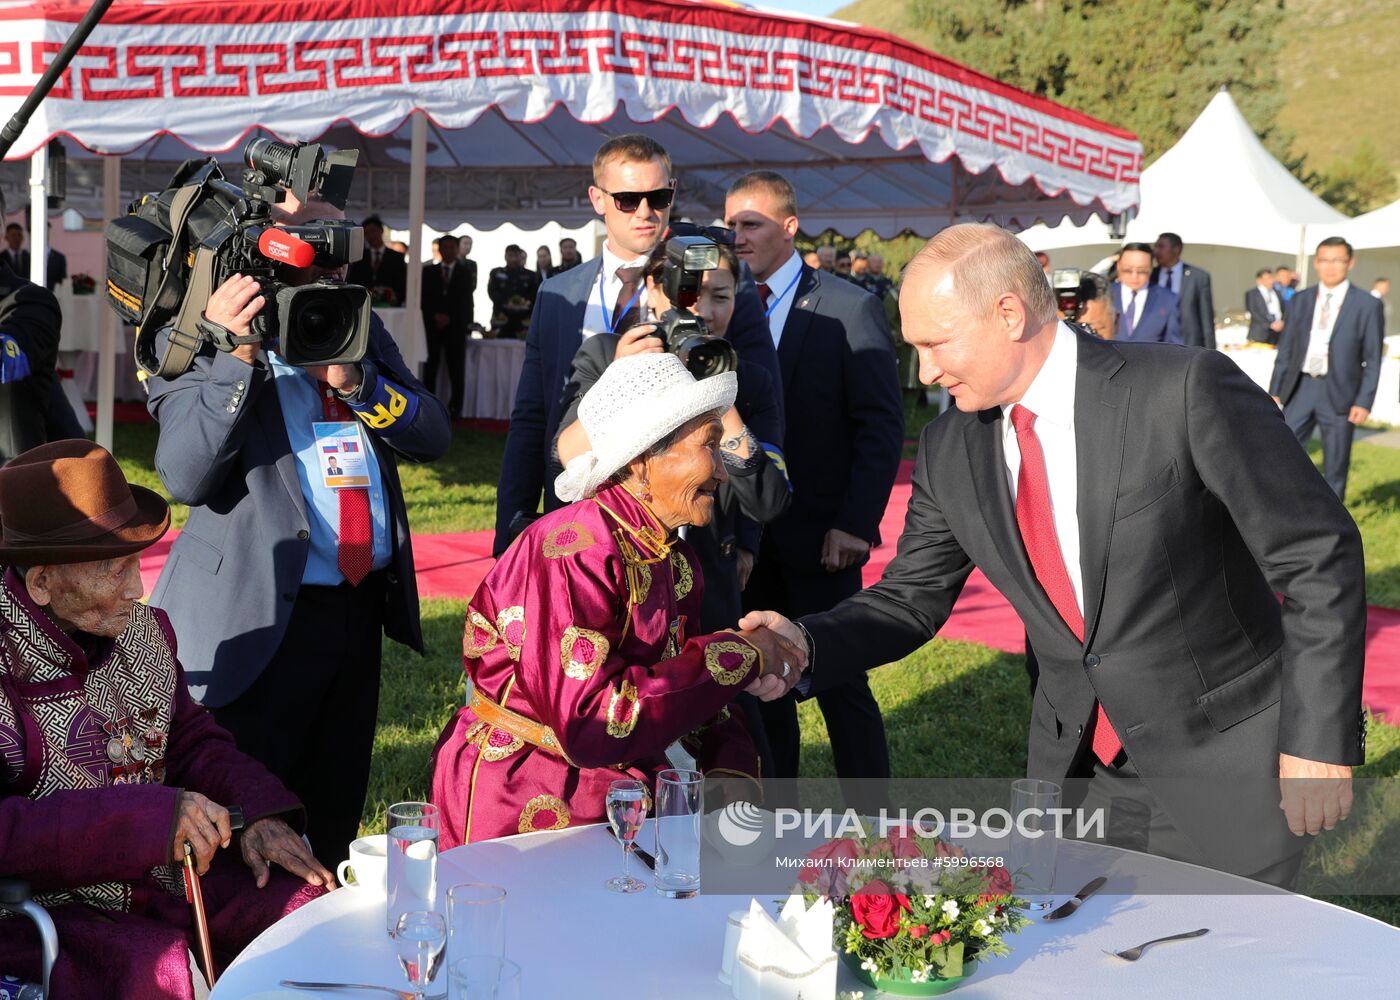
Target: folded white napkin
(786, 958)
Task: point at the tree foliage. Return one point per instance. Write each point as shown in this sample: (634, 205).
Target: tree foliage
(1357, 183)
(1146, 66)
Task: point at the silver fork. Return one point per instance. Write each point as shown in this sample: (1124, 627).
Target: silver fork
(357, 987)
(1133, 954)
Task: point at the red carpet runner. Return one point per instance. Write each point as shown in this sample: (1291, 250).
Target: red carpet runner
(453, 565)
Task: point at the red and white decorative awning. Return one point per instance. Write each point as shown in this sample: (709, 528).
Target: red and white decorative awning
(873, 131)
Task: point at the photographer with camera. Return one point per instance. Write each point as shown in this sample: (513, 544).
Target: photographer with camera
(757, 489)
(283, 581)
(1083, 298)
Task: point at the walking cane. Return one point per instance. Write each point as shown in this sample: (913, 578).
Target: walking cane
(194, 895)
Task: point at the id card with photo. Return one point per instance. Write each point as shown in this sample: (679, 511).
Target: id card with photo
(344, 459)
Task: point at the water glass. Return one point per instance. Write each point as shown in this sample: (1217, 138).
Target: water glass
(627, 803)
(680, 808)
(476, 921)
(413, 836)
(419, 938)
(483, 977)
(1035, 841)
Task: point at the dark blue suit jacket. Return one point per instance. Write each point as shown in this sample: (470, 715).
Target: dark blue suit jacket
(1160, 321)
(1353, 355)
(845, 418)
(528, 468)
(234, 571)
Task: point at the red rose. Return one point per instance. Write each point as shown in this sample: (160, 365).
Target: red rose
(918, 930)
(876, 908)
(829, 875)
(904, 848)
(999, 881)
(943, 937)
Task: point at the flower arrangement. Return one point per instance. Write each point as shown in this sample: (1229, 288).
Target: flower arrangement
(911, 909)
(383, 296)
(83, 284)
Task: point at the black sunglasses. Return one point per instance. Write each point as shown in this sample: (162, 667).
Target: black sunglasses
(715, 234)
(630, 201)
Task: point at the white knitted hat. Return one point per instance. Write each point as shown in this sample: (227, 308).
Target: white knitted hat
(637, 402)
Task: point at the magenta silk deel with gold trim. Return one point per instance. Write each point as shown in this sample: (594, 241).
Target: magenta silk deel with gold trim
(583, 626)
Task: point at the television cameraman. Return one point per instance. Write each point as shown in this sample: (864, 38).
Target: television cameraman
(281, 587)
(757, 489)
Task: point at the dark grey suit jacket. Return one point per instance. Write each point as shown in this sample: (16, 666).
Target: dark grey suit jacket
(1185, 538)
(1197, 306)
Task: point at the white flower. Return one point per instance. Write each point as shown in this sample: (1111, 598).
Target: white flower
(950, 909)
(919, 975)
(982, 928)
(870, 966)
(930, 901)
(852, 995)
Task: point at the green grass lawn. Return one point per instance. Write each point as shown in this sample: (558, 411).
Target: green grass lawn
(952, 709)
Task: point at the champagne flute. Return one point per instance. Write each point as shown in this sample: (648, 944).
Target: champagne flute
(420, 937)
(627, 804)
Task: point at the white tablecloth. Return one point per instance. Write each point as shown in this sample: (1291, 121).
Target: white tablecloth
(1258, 363)
(573, 938)
(492, 367)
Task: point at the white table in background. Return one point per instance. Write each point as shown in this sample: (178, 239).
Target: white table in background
(574, 939)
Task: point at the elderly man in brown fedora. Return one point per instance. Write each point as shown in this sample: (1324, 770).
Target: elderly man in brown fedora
(107, 768)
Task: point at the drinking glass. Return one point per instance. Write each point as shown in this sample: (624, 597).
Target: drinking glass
(484, 977)
(413, 836)
(476, 921)
(1035, 842)
(680, 807)
(419, 937)
(627, 811)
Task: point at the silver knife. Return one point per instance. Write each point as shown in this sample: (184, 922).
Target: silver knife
(645, 856)
(1065, 909)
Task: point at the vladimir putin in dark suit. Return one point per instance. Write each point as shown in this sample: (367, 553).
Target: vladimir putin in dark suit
(447, 318)
(1191, 286)
(1141, 506)
(845, 434)
(1329, 359)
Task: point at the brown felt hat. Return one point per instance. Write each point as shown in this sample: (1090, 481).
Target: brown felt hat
(68, 502)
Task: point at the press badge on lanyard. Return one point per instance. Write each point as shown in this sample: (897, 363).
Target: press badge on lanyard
(342, 451)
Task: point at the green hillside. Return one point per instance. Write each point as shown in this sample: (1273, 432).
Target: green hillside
(1333, 67)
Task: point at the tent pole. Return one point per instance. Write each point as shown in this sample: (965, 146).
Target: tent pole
(107, 325)
(1302, 269)
(417, 182)
(38, 221)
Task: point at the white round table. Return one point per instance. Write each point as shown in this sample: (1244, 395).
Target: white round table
(572, 937)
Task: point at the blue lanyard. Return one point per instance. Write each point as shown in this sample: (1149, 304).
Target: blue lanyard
(791, 285)
(611, 321)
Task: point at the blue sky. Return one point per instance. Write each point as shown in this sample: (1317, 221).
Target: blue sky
(824, 8)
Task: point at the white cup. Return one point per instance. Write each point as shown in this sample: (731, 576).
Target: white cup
(368, 865)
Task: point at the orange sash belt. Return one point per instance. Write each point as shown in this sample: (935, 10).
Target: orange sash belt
(534, 733)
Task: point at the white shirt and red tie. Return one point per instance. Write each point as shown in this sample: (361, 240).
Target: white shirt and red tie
(1041, 465)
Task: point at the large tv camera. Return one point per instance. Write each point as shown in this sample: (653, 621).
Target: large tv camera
(683, 332)
(175, 247)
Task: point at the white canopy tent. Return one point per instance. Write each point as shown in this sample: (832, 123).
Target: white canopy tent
(506, 103)
(1236, 207)
(1378, 230)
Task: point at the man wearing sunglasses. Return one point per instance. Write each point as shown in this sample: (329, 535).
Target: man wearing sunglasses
(633, 191)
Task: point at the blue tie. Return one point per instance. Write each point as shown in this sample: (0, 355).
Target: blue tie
(1127, 320)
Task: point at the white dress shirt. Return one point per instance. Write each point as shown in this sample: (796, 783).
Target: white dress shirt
(1051, 398)
(1271, 302)
(1170, 277)
(782, 282)
(598, 314)
(1315, 363)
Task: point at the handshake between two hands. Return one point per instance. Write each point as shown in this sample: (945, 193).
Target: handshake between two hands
(784, 651)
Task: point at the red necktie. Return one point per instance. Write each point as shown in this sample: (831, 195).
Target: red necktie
(1037, 524)
(355, 545)
(764, 293)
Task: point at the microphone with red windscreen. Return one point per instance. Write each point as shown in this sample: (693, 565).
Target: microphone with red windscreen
(282, 246)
